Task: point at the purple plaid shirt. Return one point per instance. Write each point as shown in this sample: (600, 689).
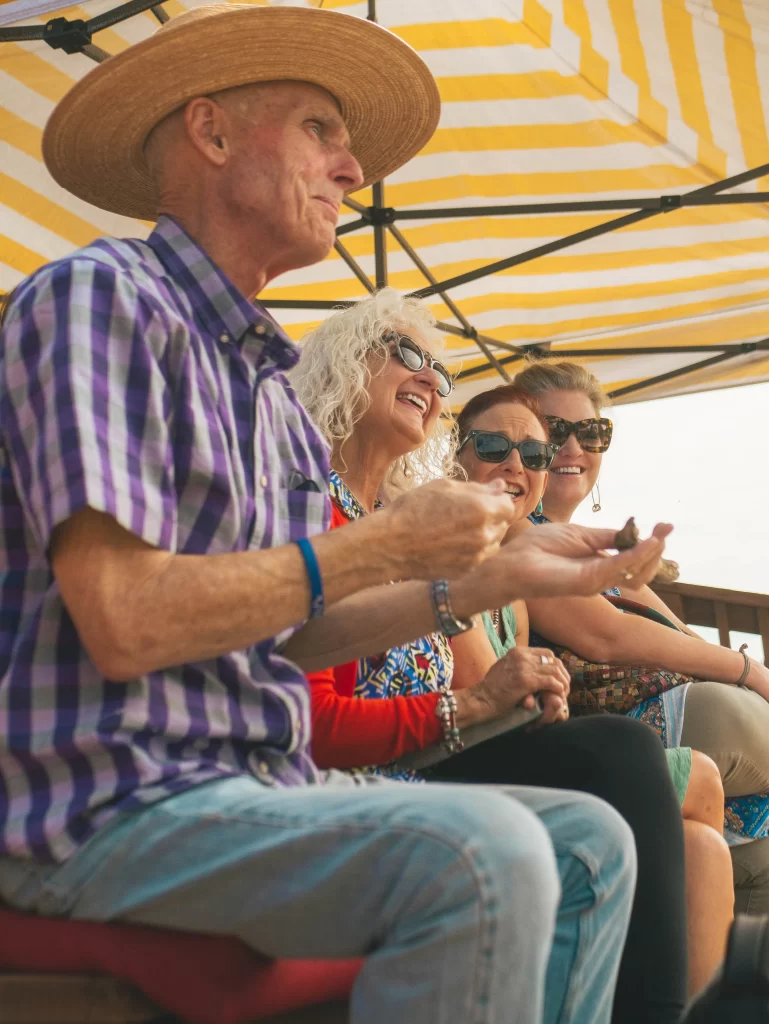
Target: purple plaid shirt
(136, 380)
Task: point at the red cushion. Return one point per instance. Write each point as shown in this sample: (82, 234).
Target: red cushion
(205, 979)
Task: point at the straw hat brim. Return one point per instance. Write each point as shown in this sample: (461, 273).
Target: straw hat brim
(93, 144)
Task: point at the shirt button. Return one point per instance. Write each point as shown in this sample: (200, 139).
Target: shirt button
(224, 338)
(263, 480)
(261, 329)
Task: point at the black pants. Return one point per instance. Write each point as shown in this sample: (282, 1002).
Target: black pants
(623, 762)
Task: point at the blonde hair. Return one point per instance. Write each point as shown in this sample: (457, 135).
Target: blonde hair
(541, 376)
(333, 376)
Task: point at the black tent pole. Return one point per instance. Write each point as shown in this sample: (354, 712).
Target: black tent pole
(467, 331)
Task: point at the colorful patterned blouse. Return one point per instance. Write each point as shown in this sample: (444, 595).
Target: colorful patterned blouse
(422, 666)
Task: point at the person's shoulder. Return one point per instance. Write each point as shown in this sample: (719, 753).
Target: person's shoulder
(128, 265)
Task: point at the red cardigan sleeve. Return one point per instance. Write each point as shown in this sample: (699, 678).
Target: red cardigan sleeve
(348, 732)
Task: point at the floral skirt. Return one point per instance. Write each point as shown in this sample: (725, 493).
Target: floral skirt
(746, 817)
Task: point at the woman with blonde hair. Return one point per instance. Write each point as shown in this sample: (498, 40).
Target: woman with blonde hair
(373, 379)
(725, 716)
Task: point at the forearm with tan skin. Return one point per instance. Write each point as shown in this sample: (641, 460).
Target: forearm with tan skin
(594, 629)
(138, 608)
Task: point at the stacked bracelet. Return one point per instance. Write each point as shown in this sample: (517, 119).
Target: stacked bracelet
(446, 710)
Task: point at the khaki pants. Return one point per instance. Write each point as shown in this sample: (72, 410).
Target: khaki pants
(731, 725)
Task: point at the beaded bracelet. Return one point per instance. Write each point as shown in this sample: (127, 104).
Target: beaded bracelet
(446, 710)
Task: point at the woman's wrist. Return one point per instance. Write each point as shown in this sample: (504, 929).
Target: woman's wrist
(471, 708)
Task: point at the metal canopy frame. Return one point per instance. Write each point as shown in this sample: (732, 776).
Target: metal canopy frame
(76, 36)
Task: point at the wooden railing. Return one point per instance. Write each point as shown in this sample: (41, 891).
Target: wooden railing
(726, 610)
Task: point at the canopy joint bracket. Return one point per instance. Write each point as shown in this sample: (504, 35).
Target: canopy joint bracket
(380, 215)
(72, 37)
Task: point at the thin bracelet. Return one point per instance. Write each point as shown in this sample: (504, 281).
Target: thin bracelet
(746, 669)
(446, 710)
(317, 602)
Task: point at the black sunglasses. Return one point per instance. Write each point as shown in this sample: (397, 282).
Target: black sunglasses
(414, 358)
(593, 435)
(491, 447)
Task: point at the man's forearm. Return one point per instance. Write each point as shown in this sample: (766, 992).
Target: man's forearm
(379, 618)
(139, 609)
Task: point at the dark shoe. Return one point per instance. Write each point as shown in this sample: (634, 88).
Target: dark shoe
(740, 995)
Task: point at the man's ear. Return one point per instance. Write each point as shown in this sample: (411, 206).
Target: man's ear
(207, 126)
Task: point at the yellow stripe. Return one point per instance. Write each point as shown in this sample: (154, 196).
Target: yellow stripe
(34, 72)
(631, 50)
(539, 19)
(19, 257)
(21, 134)
(575, 17)
(584, 134)
(47, 213)
(679, 32)
(542, 227)
(599, 324)
(408, 280)
(533, 86)
(569, 325)
(741, 59)
(718, 331)
(459, 35)
(553, 183)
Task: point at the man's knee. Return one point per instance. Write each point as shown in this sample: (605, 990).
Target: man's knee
(498, 840)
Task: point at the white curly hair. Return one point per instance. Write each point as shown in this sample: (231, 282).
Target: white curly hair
(334, 372)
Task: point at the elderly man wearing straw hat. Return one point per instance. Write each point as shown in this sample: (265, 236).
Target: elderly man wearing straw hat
(160, 483)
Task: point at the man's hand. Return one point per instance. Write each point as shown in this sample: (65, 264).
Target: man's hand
(444, 528)
(513, 680)
(557, 561)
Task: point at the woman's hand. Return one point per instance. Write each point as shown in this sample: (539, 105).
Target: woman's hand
(554, 709)
(513, 681)
(560, 560)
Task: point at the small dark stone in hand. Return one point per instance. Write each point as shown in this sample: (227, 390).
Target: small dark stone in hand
(628, 536)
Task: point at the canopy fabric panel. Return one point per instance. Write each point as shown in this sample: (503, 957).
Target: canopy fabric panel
(544, 101)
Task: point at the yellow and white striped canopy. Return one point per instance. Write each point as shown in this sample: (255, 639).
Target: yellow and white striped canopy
(544, 101)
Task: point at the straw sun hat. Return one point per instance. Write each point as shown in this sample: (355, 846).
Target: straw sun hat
(93, 144)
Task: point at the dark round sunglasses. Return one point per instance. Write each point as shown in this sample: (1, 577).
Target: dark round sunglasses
(414, 358)
(492, 447)
(593, 435)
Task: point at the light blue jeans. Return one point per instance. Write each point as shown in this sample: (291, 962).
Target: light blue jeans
(471, 904)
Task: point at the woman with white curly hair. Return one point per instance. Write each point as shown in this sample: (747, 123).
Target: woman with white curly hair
(372, 377)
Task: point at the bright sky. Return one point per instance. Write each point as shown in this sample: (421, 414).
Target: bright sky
(701, 463)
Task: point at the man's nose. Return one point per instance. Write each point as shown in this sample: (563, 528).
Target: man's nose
(348, 173)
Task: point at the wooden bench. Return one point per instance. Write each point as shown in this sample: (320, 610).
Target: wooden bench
(95, 999)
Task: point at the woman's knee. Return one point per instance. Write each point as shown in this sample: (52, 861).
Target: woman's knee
(704, 799)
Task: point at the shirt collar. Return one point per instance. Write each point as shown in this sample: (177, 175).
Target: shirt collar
(216, 300)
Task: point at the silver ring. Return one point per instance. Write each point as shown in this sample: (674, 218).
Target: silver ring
(544, 659)
(626, 575)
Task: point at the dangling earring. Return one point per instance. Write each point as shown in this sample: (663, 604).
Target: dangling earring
(538, 511)
(596, 501)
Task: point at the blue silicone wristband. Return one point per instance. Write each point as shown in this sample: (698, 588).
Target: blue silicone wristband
(317, 602)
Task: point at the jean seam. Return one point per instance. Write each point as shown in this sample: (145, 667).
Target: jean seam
(592, 867)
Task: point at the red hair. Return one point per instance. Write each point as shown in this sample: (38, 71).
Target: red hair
(505, 394)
